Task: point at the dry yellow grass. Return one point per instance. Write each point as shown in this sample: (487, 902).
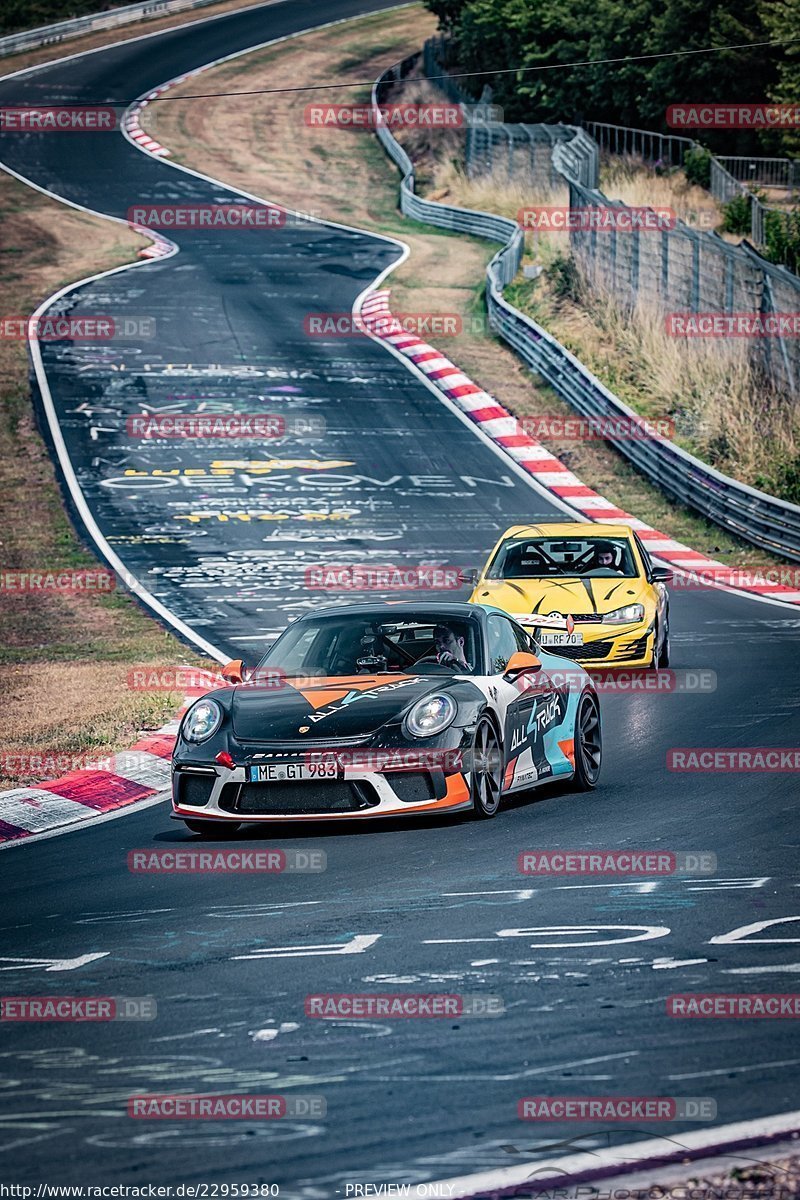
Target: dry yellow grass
(627, 180)
(62, 657)
(42, 737)
(722, 409)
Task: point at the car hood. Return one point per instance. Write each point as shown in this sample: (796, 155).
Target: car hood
(544, 596)
(320, 709)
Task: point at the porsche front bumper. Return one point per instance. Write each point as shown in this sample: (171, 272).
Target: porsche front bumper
(216, 793)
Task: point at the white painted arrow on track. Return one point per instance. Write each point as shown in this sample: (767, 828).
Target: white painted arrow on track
(51, 964)
(356, 945)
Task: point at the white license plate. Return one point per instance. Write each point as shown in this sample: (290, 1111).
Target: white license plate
(561, 639)
(291, 771)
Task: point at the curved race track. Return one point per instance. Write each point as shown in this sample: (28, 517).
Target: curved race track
(407, 1100)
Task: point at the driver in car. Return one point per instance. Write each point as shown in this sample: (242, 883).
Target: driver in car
(449, 648)
(604, 555)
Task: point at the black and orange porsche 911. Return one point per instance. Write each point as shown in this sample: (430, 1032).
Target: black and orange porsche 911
(386, 709)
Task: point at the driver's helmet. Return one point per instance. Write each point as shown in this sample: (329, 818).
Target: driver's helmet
(605, 554)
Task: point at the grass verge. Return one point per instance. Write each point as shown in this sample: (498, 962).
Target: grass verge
(64, 657)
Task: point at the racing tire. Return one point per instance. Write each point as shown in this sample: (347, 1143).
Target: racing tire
(486, 773)
(663, 654)
(210, 829)
(655, 653)
(588, 744)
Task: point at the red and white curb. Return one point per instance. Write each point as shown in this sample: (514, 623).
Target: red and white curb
(133, 128)
(618, 1162)
(132, 124)
(119, 781)
(504, 429)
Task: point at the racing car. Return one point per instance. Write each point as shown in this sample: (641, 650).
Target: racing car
(599, 577)
(386, 710)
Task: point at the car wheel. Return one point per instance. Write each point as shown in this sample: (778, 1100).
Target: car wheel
(654, 656)
(588, 744)
(486, 773)
(663, 657)
(209, 829)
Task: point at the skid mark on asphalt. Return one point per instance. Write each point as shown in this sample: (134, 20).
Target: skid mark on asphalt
(507, 1077)
(170, 1140)
(736, 1069)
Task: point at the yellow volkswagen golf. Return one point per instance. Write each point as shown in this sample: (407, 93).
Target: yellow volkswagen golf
(600, 576)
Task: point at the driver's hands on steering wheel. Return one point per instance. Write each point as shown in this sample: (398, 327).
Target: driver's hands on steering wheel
(446, 659)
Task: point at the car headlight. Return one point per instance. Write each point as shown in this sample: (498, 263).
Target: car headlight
(430, 715)
(622, 616)
(202, 719)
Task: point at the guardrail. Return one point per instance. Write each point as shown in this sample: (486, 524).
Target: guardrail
(764, 520)
(47, 35)
(765, 172)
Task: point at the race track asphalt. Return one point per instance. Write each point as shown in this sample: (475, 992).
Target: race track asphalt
(407, 1100)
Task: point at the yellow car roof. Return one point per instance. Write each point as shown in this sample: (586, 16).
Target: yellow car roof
(568, 529)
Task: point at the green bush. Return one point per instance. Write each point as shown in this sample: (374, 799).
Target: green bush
(782, 238)
(697, 166)
(564, 277)
(736, 214)
(783, 481)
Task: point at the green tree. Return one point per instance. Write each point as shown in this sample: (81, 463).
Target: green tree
(782, 20)
(492, 36)
(724, 77)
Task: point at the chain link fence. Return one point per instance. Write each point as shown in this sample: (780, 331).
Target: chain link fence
(759, 518)
(673, 270)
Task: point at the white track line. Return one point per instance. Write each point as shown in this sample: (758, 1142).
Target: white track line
(615, 1160)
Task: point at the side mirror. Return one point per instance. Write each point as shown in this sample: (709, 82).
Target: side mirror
(662, 574)
(519, 663)
(233, 672)
(469, 575)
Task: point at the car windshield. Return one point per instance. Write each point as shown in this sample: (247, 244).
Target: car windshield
(379, 643)
(546, 558)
